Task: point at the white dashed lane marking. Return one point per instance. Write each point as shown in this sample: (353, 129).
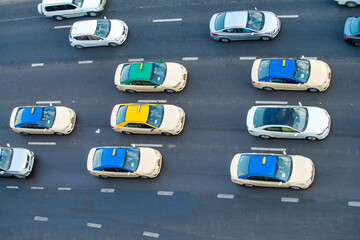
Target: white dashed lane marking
(190, 58)
(85, 62)
(225, 196)
(291, 200)
(65, 26)
(168, 20)
(136, 60)
(42, 143)
(353, 204)
(288, 16)
(152, 101)
(165, 193)
(37, 64)
(64, 189)
(48, 102)
(268, 149)
(107, 190)
(151, 234)
(145, 145)
(93, 225)
(12, 187)
(271, 102)
(37, 188)
(41, 219)
(247, 58)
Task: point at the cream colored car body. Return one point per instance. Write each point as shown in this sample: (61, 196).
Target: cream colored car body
(149, 164)
(320, 77)
(175, 80)
(172, 123)
(64, 122)
(302, 174)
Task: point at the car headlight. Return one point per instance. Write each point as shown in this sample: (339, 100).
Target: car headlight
(23, 171)
(306, 182)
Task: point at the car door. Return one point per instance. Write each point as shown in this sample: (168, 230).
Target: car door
(288, 132)
(131, 127)
(272, 131)
(249, 34)
(89, 41)
(143, 86)
(256, 181)
(272, 182)
(277, 83)
(34, 129)
(147, 129)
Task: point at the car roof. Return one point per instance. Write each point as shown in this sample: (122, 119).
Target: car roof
(140, 71)
(112, 157)
(137, 113)
(46, 2)
(86, 27)
(274, 116)
(282, 67)
(31, 115)
(262, 165)
(236, 19)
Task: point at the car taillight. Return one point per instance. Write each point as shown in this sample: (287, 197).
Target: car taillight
(70, 41)
(346, 37)
(213, 34)
(251, 131)
(253, 82)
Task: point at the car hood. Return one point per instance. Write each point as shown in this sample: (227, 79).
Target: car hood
(117, 29)
(18, 160)
(148, 161)
(271, 23)
(174, 75)
(91, 4)
(319, 72)
(318, 120)
(302, 169)
(62, 118)
(172, 117)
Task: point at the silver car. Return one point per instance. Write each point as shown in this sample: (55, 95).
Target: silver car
(16, 162)
(244, 25)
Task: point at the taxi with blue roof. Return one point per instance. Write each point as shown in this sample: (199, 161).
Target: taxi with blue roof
(150, 77)
(124, 161)
(291, 74)
(43, 120)
(272, 170)
(165, 119)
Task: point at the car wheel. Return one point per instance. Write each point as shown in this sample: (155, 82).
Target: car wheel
(79, 47)
(93, 14)
(126, 133)
(248, 185)
(25, 133)
(113, 44)
(169, 90)
(103, 176)
(265, 38)
(268, 89)
(351, 4)
(313, 90)
(130, 91)
(58, 18)
(143, 177)
(264, 136)
(59, 133)
(357, 44)
(166, 134)
(224, 40)
(311, 138)
(295, 187)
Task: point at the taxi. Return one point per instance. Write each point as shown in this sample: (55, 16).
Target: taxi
(290, 74)
(43, 120)
(150, 77)
(272, 170)
(123, 161)
(162, 119)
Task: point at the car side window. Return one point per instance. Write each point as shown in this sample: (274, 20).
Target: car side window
(273, 129)
(286, 129)
(27, 126)
(255, 178)
(52, 8)
(93, 37)
(244, 30)
(135, 83)
(270, 179)
(147, 83)
(132, 125)
(289, 80)
(142, 125)
(67, 7)
(81, 38)
(109, 169)
(277, 80)
(231, 30)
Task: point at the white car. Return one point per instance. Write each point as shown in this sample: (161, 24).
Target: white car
(348, 3)
(16, 162)
(311, 123)
(95, 33)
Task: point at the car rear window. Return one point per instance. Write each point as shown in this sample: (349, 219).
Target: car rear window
(219, 21)
(264, 69)
(120, 118)
(355, 25)
(243, 166)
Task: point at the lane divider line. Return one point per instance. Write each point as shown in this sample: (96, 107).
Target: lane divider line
(288, 16)
(42, 143)
(37, 188)
(165, 193)
(85, 62)
(41, 219)
(37, 64)
(151, 234)
(271, 102)
(353, 204)
(168, 20)
(48, 102)
(190, 58)
(247, 58)
(107, 190)
(145, 145)
(93, 225)
(136, 60)
(64, 189)
(12, 187)
(291, 200)
(152, 101)
(65, 26)
(225, 196)
(268, 149)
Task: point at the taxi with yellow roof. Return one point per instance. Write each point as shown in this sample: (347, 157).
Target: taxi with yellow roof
(162, 119)
(123, 161)
(151, 77)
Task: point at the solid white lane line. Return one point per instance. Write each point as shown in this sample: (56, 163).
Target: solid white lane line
(247, 58)
(268, 149)
(353, 204)
(288, 16)
(12, 187)
(168, 20)
(271, 102)
(152, 101)
(107, 190)
(145, 145)
(136, 60)
(292, 200)
(226, 196)
(48, 102)
(165, 193)
(190, 58)
(310, 58)
(42, 143)
(85, 62)
(93, 225)
(37, 188)
(42, 219)
(65, 26)
(64, 189)
(17, 19)
(151, 234)
(37, 64)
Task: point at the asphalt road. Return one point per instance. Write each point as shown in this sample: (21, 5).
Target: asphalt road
(193, 197)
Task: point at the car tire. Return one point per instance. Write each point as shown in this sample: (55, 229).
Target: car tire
(248, 185)
(93, 14)
(112, 44)
(103, 176)
(265, 38)
(357, 44)
(169, 90)
(311, 138)
(25, 133)
(143, 177)
(130, 91)
(58, 18)
(79, 47)
(126, 133)
(351, 4)
(264, 136)
(166, 134)
(295, 187)
(58, 133)
(224, 40)
(269, 89)
(313, 90)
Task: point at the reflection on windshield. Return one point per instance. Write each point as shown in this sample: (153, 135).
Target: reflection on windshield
(102, 28)
(158, 73)
(283, 170)
(48, 117)
(5, 158)
(300, 118)
(302, 70)
(132, 158)
(156, 114)
(255, 20)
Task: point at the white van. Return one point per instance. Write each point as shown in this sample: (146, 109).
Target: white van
(349, 3)
(61, 9)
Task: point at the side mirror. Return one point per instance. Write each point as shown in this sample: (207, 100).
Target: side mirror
(296, 134)
(2, 172)
(152, 129)
(128, 173)
(155, 86)
(252, 33)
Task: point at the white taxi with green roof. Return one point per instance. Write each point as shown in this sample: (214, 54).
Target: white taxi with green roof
(151, 77)
(162, 119)
(122, 161)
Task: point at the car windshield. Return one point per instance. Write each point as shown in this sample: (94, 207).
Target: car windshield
(283, 167)
(78, 3)
(156, 114)
(132, 158)
(355, 25)
(244, 164)
(294, 117)
(255, 20)
(103, 28)
(158, 73)
(5, 158)
(124, 75)
(47, 117)
(264, 69)
(219, 21)
(302, 70)
(120, 117)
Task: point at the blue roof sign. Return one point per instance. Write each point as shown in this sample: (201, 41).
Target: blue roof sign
(261, 165)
